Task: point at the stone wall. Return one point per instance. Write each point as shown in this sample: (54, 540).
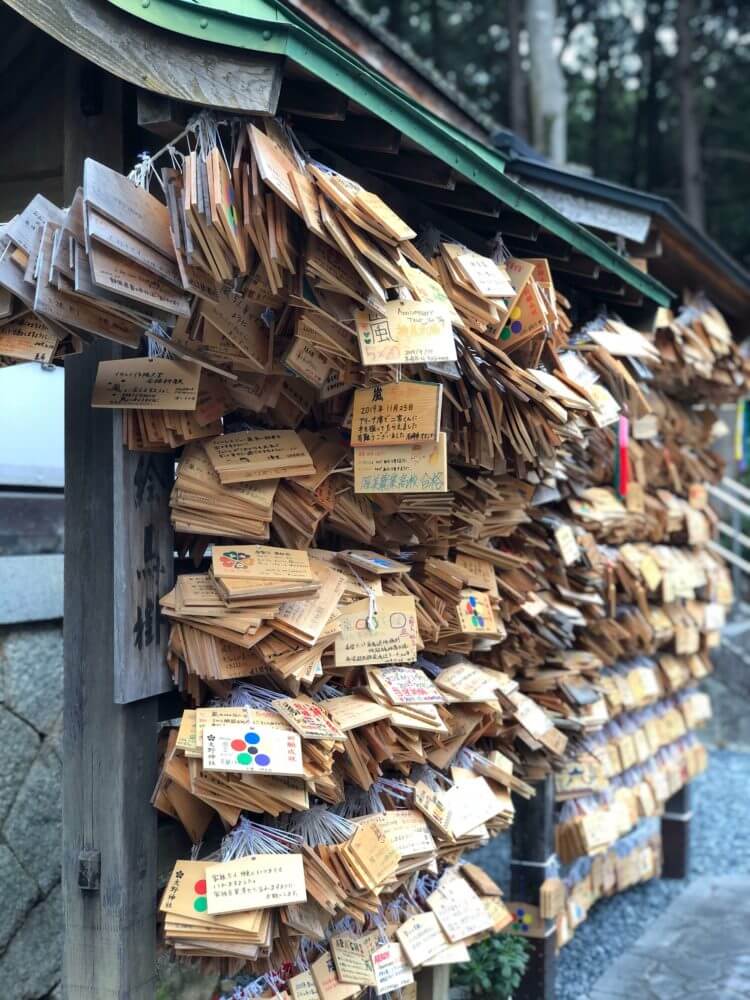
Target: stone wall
(31, 924)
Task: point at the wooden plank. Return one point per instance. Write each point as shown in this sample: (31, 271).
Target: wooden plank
(109, 827)
(144, 561)
(166, 63)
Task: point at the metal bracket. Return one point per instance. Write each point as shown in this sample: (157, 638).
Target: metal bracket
(89, 870)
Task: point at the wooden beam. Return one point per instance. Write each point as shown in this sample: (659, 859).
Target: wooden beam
(161, 115)
(408, 166)
(544, 245)
(358, 132)
(109, 826)
(580, 266)
(514, 224)
(466, 198)
(310, 99)
(15, 42)
(164, 62)
(606, 283)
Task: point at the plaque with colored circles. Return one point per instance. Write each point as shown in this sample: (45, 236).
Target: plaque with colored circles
(475, 613)
(526, 920)
(252, 749)
(185, 894)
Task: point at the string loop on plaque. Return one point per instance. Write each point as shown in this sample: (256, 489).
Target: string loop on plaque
(255, 838)
(247, 695)
(372, 611)
(318, 825)
(157, 338)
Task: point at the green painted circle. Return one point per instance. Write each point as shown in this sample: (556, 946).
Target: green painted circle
(201, 904)
(244, 758)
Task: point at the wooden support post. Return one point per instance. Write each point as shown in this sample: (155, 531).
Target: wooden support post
(675, 833)
(532, 860)
(434, 983)
(109, 749)
(109, 827)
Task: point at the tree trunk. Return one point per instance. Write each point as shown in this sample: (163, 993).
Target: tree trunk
(690, 151)
(549, 102)
(396, 21)
(518, 116)
(436, 25)
(598, 136)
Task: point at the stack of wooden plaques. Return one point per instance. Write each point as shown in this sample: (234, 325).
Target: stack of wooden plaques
(650, 597)
(633, 859)
(444, 544)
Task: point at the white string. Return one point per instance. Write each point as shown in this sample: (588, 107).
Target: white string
(372, 613)
(156, 348)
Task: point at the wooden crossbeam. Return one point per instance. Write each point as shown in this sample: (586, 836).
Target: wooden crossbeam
(464, 197)
(410, 166)
(357, 132)
(310, 99)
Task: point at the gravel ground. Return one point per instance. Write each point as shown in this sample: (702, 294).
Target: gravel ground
(719, 846)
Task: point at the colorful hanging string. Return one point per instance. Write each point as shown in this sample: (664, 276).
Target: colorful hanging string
(622, 458)
(742, 435)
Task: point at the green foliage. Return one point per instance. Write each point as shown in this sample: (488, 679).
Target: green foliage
(496, 967)
(620, 63)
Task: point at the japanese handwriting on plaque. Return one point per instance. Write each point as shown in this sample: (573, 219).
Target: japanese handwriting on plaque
(421, 937)
(308, 719)
(458, 908)
(408, 686)
(252, 749)
(147, 384)
(399, 413)
(402, 468)
(256, 882)
(261, 562)
(391, 968)
(28, 339)
(393, 640)
(408, 333)
(351, 956)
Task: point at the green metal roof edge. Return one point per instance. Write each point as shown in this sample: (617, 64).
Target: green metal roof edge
(269, 26)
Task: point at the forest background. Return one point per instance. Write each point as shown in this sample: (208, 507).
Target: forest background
(658, 91)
